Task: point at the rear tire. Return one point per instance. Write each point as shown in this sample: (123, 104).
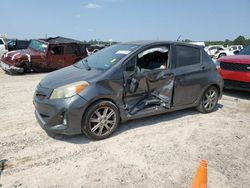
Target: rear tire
(209, 100)
(101, 120)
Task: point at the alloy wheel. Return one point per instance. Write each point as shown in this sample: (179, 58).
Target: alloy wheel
(210, 99)
(102, 121)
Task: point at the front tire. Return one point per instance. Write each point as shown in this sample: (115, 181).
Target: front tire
(209, 100)
(100, 120)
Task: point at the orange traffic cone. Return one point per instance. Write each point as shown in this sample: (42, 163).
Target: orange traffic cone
(200, 179)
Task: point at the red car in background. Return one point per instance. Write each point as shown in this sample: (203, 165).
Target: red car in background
(44, 55)
(235, 70)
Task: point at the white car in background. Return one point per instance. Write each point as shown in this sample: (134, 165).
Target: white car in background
(212, 49)
(230, 50)
(3, 49)
(235, 48)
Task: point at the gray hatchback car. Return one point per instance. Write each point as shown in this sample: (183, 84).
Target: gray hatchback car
(124, 82)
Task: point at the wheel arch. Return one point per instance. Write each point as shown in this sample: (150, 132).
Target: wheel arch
(205, 88)
(222, 53)
(98, 100)
(217, 87)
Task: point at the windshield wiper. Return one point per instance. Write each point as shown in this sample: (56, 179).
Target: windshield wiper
(85, 63)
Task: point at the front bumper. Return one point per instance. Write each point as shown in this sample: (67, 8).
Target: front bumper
(231, 84)
(63, 116)
(10, 68)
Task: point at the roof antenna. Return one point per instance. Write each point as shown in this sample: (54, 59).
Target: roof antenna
(179, 38)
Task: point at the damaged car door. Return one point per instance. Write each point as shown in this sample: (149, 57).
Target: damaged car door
(56, 57)
(148, 81)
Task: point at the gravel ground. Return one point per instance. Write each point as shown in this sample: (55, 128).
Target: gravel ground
(160, 151)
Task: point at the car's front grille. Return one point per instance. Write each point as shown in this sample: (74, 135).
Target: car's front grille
(235, 67)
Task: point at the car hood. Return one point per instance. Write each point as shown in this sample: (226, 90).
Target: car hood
(26, 54)
(243, 59)
(69, 75)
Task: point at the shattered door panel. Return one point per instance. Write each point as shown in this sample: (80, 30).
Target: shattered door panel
(158, 88)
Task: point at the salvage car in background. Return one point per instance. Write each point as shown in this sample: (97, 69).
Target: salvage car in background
(230, 50)
(236, 48)
(16, 44)
(221, 52)
(3, 48)
(235, 70)
(124, 82)
(44, 55)
(94, 48)
(212, 49)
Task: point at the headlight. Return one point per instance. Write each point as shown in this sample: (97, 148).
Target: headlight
(68, 90)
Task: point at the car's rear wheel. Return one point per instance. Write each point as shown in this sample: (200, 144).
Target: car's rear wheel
(101, 120)
(209, 100)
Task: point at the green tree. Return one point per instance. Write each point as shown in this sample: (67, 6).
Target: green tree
(240, 40)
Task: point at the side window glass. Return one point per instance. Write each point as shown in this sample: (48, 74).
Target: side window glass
(206, 58)
(130, 66)
(57, 50)
(152, 59)
(1, 41)
(186, 55)
(71, 49)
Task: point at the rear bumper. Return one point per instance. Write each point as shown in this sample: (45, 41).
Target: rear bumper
(10, 68)
(231, 84)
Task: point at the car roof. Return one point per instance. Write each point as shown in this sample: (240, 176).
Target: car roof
(63, 40)
(157, 42)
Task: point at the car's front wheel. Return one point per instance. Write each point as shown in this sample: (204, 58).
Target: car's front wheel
(209, 100)
(100, 120)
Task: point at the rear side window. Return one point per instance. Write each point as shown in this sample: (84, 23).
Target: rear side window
(186, 55)
(72, 49)
(206, 58)
(57, 50)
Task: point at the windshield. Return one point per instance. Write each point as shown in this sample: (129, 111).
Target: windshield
(245, 51)
(109, 56)
(38, 46)
(6, 40)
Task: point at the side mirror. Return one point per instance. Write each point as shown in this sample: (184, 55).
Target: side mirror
(52, 52)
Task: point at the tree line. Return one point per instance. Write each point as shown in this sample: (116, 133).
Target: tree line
(240, 40)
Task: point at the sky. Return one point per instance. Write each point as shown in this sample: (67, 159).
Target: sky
(126, 20)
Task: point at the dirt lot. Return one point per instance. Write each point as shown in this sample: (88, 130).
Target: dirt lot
(161, 151)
